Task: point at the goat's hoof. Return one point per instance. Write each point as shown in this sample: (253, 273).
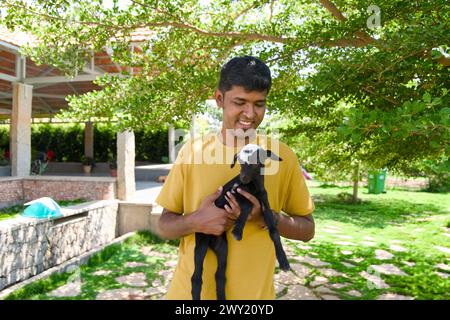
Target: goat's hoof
(285, 266)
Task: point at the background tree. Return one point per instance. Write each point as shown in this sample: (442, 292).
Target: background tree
(368, 84)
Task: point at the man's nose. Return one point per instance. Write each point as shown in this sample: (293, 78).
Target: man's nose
(249, 111)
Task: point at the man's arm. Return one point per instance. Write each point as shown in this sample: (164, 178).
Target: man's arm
(296, 227)
(207, 219)
(173, 225)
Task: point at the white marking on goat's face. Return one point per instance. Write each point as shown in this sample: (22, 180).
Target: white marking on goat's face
(249, 154)
(250, 159)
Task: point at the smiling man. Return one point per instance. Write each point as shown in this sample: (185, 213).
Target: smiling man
(192, 186)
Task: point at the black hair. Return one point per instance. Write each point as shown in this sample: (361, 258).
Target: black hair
(248, 72)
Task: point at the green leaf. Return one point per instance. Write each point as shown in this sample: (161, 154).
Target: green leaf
(436, 101)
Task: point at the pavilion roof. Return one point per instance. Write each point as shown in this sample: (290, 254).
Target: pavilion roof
(50, 86)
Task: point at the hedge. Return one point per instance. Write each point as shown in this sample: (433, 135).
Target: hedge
(67, 142)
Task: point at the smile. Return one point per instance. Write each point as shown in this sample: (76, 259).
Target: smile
(245, 123)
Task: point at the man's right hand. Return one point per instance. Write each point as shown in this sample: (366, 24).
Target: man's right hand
(209, 219)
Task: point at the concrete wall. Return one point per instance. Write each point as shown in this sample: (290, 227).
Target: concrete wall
(138, 216)
(29, 246)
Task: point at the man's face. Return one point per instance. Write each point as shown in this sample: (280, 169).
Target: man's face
(241, 109)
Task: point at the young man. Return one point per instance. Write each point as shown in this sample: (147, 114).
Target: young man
(203, 165)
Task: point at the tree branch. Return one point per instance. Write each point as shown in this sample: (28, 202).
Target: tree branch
(369, 90)
(362, 39)
(49, 17)
(247, 36)
(175, 17)
(444, 61)
(271, 11)
(333, 10)
(364, 36)
(244, 11)
(339, 16)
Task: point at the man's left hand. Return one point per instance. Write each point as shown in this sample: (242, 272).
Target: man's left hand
(234, 209)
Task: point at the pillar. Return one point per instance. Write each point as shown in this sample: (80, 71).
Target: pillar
(126, 184)
(20, 130)
(172, 150)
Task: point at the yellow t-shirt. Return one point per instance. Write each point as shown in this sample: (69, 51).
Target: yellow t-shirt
(201, 167)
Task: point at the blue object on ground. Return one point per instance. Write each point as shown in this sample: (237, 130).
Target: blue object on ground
(42, 208)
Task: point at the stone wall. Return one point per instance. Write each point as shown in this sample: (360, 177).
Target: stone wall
(13, 190)
(29, 246)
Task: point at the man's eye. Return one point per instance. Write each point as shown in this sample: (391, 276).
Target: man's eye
(239, 103)
(261, 105)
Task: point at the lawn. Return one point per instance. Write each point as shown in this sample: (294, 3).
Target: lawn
(407, 230)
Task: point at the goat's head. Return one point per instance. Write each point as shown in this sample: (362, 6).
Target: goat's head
(252, 158)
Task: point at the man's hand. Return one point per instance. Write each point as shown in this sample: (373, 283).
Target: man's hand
(208, 218)
(234, 209)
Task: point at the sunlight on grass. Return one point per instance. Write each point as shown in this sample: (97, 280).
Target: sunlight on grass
(409, 225)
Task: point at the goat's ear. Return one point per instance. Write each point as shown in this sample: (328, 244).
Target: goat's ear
(273, 156)
(234, 160)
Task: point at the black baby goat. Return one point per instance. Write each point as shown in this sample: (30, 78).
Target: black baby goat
(251, 158)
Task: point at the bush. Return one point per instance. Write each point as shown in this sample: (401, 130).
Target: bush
(67, 142)
(3, 160)
(4, 137)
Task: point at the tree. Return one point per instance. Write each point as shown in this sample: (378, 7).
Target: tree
(369, 83)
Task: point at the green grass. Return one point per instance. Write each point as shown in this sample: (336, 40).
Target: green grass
(10, 212)
(391, 216)
(415, 220)
(15, 211)
(111, 258)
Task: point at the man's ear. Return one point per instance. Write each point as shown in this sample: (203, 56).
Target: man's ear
(273, 156)
(219, 97)
(234, 160)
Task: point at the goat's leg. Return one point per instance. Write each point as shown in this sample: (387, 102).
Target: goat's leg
(201, 246)
(274, 234)
(221, 249)
(238, 228)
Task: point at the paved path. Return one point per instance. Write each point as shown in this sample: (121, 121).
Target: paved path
(309, 279)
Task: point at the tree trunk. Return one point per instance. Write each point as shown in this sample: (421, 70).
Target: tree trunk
(355, 184)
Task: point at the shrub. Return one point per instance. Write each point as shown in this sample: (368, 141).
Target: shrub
(67, 142)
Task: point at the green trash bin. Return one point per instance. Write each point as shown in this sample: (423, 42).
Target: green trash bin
(376, 181)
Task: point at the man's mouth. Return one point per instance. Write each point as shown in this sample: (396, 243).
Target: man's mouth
(246, 124)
